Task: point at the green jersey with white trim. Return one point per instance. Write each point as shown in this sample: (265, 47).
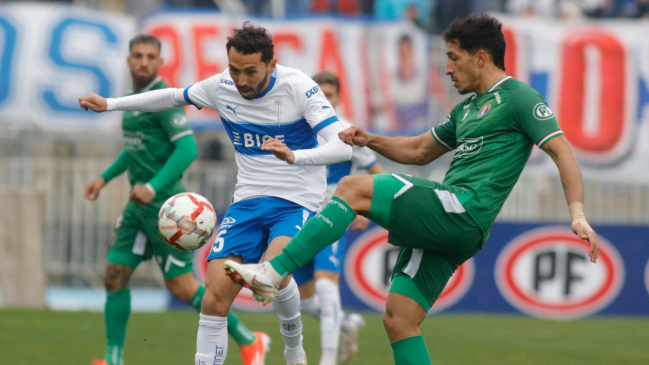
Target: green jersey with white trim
(148, 142)
(493, 134)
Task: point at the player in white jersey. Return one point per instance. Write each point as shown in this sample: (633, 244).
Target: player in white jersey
(267, 110)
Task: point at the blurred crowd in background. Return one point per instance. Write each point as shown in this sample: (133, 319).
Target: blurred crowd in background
(432, 15)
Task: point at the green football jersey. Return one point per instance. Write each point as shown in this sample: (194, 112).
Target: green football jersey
(148, 142)
(493, 135)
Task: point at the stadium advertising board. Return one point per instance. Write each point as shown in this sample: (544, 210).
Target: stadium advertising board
(52, 54)
(534, 269)
(357, 51)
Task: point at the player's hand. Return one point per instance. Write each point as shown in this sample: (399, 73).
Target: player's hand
(141, 194)
(359, 223)
(94, 102)
(279, 149)
(355, 136)
(92, 190)
(583, 230)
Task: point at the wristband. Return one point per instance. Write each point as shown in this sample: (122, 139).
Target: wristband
(577, 215)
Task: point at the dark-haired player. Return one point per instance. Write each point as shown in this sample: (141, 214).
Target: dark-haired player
(158, 147)
(440, 225)
(267, 110)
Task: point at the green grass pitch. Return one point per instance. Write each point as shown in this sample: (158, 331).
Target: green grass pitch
(53, 338)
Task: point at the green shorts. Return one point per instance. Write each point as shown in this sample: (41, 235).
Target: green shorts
(436, 235)
(137, 239)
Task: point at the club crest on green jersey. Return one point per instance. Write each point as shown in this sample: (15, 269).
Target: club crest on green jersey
(179, 119)
(542, 111)
(468, 146)
(485, 109)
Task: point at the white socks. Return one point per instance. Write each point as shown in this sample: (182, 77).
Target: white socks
(212, 340)
(331, 315)
(287, 308)
(311, 306)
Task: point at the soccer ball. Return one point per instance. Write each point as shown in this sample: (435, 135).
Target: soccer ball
(187, 221)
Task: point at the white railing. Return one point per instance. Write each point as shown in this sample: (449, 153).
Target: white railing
(78, 232)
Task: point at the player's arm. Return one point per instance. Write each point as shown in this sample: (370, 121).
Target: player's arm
(559, 150)
(418, 150)
(150, 101)
(320, 115)
(331, 152)
(177, 128)
(114, 170)
(156, 100)
(534, 118)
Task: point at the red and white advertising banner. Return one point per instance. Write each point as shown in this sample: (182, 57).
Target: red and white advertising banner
(594, 77)
(382, 67)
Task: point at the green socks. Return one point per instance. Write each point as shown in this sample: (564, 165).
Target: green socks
(118, 309)
(197, 298)
(411, 351)
(238, 331)
(319, 232)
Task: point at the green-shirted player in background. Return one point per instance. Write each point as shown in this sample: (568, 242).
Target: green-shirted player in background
(440, 225)
(158, 148)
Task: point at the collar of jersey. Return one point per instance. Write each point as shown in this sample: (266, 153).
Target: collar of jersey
(499, 83)
(270, 85)
(149, 86)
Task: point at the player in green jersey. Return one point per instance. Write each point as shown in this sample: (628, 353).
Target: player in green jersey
(158, 148)
(440, 225)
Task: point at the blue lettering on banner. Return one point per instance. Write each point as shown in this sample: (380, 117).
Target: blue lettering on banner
(248, 137)
(7, 58)
(56, 54)
(310, 93)
(227, 82)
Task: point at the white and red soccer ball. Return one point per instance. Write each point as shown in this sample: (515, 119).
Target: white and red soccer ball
(187, 221)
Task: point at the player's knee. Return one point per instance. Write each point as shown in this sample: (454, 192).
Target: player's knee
(390, 323)
(116, 277)
(214, 302)
(354, 189)
(397, 323)
(111, 283)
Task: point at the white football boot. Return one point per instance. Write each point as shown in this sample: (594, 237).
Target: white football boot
(262, 279)
(349, 328)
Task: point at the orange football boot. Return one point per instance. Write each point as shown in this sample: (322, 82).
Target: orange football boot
(98, 362)
(255, 353)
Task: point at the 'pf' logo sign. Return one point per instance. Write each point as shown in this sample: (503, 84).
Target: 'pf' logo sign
(547, 273)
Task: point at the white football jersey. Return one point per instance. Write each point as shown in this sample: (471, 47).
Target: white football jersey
(292, 109)
(362, 158)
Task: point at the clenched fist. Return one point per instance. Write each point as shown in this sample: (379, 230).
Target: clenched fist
(94, 102)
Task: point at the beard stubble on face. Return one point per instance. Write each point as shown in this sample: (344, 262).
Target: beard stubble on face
(141, 81)
(255, 91)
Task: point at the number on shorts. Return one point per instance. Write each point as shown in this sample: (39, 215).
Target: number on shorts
(219, 242)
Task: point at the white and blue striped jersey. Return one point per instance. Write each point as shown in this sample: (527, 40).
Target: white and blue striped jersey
(292, 109)
(362, 159)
